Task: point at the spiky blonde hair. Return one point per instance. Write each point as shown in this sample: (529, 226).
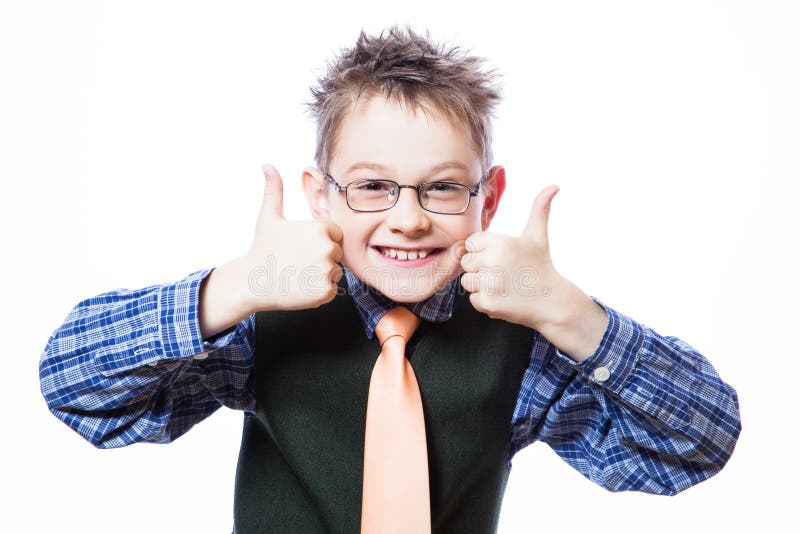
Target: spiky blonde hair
(419, 73)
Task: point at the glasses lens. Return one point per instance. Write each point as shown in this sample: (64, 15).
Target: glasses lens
(443, 197)
(371, 195)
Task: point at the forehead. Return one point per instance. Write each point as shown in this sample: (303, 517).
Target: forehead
(405, 140)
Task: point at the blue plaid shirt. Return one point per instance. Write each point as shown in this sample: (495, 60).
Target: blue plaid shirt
(644, 412)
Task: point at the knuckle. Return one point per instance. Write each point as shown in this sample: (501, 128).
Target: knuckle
(330, 293)
(488, 306)
(329, 249)
(465, 282)
(477, 301)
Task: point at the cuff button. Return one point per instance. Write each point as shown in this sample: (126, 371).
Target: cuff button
(601, 374)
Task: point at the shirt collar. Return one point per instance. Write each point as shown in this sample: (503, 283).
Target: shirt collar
(372, 304)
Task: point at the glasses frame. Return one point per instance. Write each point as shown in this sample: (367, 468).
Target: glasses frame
(418, 188)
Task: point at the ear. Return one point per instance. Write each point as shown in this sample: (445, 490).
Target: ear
(316, 193)
(493, 189)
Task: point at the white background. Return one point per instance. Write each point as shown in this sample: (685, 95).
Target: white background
(131, 139)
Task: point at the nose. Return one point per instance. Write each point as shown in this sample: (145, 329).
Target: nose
(407, 216)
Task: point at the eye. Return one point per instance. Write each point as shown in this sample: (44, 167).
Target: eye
(374, 185)
(443, 186)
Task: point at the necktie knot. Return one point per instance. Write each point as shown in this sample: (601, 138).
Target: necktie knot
(399, 321)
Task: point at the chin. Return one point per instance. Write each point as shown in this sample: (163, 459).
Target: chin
(409, 297)
(402, 285)
(414, 289)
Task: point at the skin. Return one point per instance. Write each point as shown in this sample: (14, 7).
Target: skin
(508, 277)
(407, 144)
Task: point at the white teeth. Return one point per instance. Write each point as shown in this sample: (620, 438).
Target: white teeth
(405, 254)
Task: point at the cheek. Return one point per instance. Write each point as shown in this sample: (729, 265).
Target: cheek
(335, 211)
(356, 230)
(462, 229)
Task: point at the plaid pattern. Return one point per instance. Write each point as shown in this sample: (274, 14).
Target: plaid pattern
(130, 366)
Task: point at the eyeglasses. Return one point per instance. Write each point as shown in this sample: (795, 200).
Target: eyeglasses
(448, 198)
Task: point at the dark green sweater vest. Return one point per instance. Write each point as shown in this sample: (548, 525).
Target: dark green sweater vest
(302, 454)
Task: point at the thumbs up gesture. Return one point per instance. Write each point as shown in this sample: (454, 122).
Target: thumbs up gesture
(513, 278)
(291, 264)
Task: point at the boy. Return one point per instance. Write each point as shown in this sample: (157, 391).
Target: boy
(508, 351)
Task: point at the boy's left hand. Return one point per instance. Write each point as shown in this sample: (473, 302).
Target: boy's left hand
(513, 278)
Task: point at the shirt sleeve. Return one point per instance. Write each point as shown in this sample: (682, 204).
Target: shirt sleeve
(644, 412)
(131, 366)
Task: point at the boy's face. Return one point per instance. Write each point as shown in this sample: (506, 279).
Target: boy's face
(407, 144)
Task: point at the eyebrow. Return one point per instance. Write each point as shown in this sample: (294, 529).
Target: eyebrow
(436, 168)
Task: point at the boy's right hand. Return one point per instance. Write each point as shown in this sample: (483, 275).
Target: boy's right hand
(291, 265)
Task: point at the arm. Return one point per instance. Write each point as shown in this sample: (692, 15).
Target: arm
(130, 366)
(642, 412)
(625, 406)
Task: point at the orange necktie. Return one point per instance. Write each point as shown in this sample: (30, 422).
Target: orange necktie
(396, 496)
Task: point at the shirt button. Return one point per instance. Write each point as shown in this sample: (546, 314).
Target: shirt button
(601, 374)
(201, 356)
(152, 364)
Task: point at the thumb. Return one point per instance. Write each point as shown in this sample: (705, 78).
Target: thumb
(272, 204)
(540, 213)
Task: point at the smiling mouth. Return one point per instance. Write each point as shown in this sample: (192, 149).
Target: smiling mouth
(407, 254)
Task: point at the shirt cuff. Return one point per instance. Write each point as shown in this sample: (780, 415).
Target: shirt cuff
(220, 339)
(615, 358)
(179, 317)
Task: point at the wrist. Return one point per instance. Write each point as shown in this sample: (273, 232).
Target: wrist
(576, 325)
(224, 297)
(239, 279)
